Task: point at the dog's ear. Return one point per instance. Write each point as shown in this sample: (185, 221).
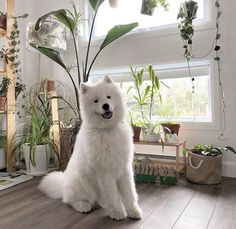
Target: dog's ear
(107, 79)
(83, 88)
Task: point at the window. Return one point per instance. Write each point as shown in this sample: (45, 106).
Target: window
(129, 11)
(178, 102)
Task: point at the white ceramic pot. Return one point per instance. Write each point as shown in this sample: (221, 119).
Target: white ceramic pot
(152, 137)
(42, 156)
(2, 158)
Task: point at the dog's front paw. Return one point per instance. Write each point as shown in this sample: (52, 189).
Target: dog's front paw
(134, 213)
(117, 214)
(82, 206)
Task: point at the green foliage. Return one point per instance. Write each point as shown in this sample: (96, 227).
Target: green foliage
(210, 150)
(36, 125)
(145, 93)
(4, 86)
(71, 20)
(149, 5)
(187, 13)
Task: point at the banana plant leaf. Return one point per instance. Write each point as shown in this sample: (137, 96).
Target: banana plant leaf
(60, 15)
(50, 53)
(95, 4)
(116, 32)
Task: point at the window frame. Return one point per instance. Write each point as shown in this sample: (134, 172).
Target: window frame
(116, 73)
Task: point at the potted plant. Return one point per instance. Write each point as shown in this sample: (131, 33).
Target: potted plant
(70, 19)
(3, 60)
(204, 163)
(145, 95)
(148, 6)
(3, 21)
(3, 92)
(35, 139)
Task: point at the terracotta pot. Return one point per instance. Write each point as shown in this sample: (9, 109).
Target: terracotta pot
(50, 85)
(170, 128)
(136, 130)
(3, 22)
(2, 103)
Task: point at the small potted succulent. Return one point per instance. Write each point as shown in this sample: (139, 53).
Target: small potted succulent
(148, 6)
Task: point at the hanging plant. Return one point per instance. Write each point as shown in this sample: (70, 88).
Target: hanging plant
(148, 6)
(187, 13)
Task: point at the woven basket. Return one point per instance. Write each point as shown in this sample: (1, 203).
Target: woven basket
(66, 146)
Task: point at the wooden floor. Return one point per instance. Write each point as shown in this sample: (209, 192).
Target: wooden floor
(181, 206)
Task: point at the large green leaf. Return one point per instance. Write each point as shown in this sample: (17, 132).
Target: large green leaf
(116, 32)
(60, 15)
(95, 3)
(50, 53)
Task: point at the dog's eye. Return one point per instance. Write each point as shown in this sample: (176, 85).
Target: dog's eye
(95, 101)
(108, 97)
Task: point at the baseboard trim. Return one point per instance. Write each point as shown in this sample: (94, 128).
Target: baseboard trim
(229, 169)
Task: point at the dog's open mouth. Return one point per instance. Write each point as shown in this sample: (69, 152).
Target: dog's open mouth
(107, 115)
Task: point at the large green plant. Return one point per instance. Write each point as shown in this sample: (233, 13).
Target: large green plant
(146, 94)
(70, 20)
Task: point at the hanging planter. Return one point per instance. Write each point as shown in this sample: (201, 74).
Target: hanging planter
(148, 6)
(51, 35)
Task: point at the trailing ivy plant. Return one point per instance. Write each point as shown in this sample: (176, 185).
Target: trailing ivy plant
(71, 19)
(187, 13)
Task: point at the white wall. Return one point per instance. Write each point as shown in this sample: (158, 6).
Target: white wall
(159, 49)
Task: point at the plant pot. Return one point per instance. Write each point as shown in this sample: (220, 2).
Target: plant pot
(3, 22)
(2, 64)
(2, 158)
(3, 100)
(136, 130)
(42, 157)
(50, 85)
(152, 137)
(171, 138)
(171, 128)
(145, 10)
(204, 169)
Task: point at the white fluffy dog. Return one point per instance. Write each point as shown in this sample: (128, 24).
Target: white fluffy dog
(100, 168)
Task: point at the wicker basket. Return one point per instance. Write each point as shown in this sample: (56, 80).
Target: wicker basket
(66, 146)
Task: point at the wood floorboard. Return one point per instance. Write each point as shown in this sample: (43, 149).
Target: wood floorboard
(223, 218)
(182, 206)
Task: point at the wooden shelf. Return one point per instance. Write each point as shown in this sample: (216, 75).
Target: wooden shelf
(160, 144)
(3, 73)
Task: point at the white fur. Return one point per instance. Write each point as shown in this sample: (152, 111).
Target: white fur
(100, 168)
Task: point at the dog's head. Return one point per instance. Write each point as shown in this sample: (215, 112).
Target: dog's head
(102, 105)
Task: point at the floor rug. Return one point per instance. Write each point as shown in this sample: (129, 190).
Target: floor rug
(8, 180)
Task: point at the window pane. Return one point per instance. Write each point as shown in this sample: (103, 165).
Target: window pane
(129, 11)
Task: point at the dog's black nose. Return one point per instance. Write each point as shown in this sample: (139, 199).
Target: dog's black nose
(105, 106)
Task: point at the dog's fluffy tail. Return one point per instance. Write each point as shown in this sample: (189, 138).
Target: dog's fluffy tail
(52, 185)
